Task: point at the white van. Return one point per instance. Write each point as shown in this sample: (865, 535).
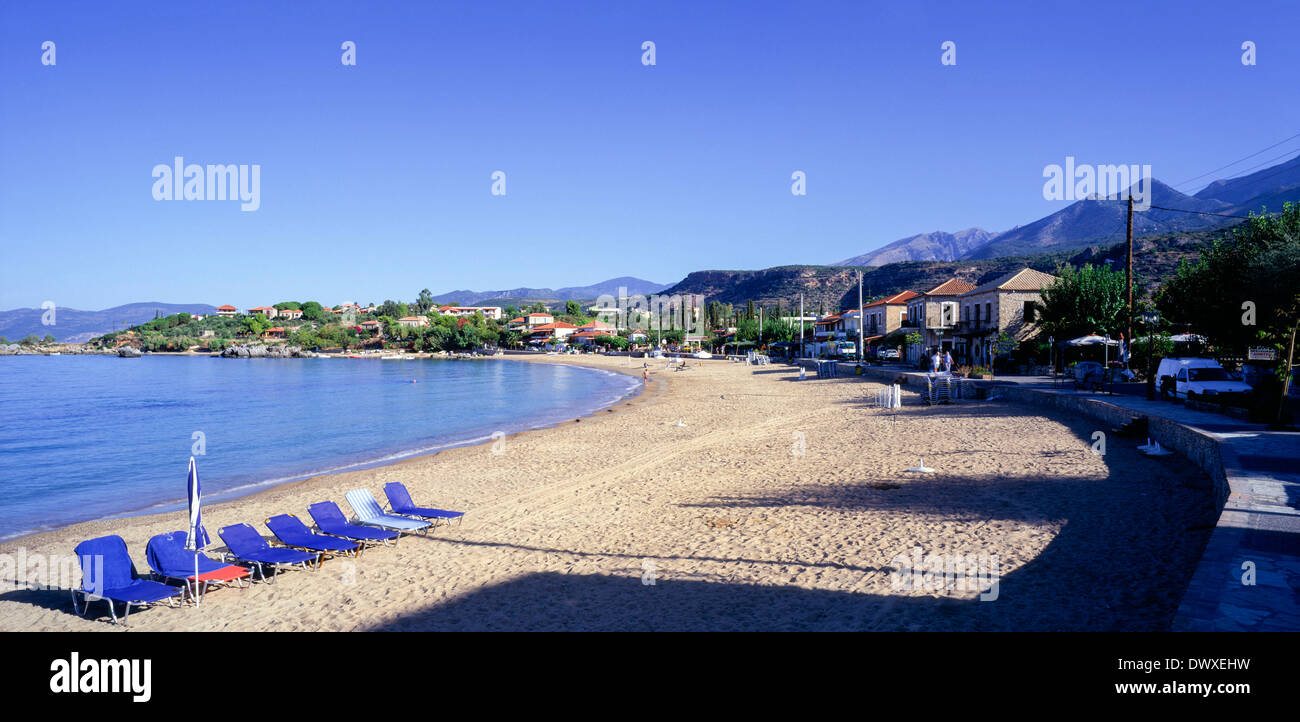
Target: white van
(1196, 378)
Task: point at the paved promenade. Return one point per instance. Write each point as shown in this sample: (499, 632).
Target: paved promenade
(1248, 578)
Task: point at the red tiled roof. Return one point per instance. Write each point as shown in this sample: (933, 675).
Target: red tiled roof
(1026, 279)
(903, 297)
(226, 308)
(951, 287)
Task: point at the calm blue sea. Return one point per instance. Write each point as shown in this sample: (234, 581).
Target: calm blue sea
(90, 437)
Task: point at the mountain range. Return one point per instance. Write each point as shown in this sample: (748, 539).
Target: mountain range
(1092, 222)
(634, 286)
(75, 326)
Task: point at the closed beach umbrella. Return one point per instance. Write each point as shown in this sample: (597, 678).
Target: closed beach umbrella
(192, 542)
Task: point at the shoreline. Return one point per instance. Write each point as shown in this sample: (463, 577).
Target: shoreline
(229, 497)
(748, 499)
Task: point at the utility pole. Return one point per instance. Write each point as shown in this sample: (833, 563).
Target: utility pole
(1129, 274)
(800, 326)
(861, 350)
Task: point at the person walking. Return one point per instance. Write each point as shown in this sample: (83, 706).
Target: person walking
(947, 362)
(934, 362)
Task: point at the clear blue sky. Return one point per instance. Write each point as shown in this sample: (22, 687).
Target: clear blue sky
(375, 179)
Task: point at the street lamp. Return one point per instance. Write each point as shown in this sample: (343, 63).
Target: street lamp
(1106, 363)
(1051, 357)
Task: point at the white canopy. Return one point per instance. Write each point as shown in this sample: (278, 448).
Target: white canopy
(1091, 340)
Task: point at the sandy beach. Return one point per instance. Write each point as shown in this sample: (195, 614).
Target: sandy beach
(726, 497)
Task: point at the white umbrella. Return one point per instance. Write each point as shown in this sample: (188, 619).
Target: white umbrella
(192, 542)
(1090, 340)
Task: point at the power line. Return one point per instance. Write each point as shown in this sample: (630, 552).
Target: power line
(1270, 161)
(1235, 162)
(1203, 213)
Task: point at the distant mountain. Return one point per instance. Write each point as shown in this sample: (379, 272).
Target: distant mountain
(1248, 188)
(634, 286)
(1099, 221)
(75, 326)
(936, 246)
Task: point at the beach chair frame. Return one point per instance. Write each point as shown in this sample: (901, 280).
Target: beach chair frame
(88, 597)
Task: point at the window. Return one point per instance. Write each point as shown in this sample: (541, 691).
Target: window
(988, 312)
(1030, 312)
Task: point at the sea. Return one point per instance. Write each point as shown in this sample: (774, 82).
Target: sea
(96, 437)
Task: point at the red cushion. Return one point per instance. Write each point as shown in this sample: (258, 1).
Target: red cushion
(224, 574)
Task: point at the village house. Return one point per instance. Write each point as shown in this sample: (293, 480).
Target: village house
(557, 332)
(538, 319)
(227, 311)
(492, 312)
(290, 313)
(273, 333)
(268, 311)
(599, 327)
(372, 326)
(884, 317)
(1004, 305)
(413, 321)
(934, 314)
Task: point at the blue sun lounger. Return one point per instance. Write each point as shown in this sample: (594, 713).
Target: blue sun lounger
(247, 545)
(293, 533)
(368, 512)
(169, 559)
(399, 500)
(330, 520)
(108, 574)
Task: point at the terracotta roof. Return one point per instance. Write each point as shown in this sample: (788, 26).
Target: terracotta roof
(950, 287)
(226, 308)
(544, 315)
(1026, 279)
(903, 297)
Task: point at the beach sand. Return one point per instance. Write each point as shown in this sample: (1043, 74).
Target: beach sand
(774, 505)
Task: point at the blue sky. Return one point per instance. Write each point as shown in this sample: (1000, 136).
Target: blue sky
(375, 179)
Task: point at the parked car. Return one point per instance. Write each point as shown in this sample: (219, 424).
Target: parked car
(889, 354)
(1197, 378)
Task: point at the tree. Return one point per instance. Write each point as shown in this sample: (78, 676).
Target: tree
(256, 324)
(1091, 299)
(573, 308)
(49, 338)
(1244, 291)
(424, 301)
(313, 311)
